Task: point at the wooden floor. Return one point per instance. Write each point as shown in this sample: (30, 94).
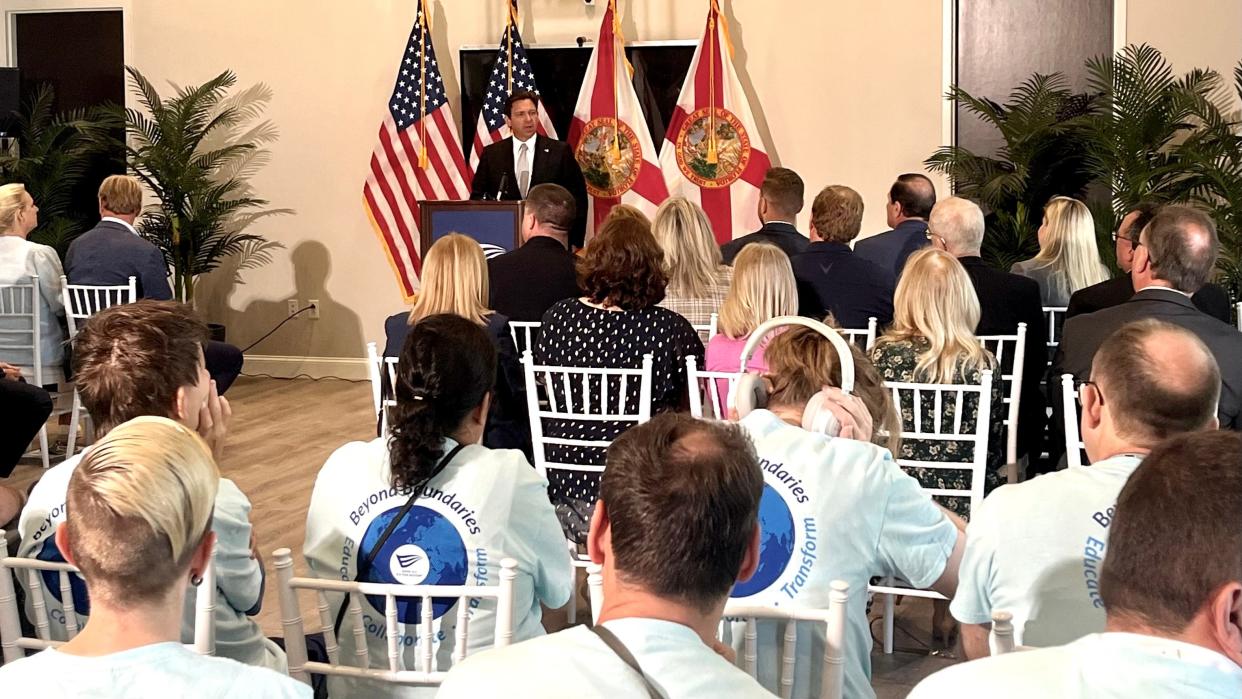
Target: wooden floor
(284, 430)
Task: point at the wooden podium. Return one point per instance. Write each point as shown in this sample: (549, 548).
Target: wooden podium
(495, 225)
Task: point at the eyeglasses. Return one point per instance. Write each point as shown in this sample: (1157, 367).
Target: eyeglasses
(1079, 386)
(934, 237)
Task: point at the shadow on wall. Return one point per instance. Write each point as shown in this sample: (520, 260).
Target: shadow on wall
(338, 332)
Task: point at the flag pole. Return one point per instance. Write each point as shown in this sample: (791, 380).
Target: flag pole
(712, 155)
(422, 91)
(509, 45)
(618, 52)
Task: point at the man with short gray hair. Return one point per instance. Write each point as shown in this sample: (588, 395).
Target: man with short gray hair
(1005, 299)
(1174, 258)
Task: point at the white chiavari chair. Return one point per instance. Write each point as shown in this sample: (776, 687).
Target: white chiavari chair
(938, 397)
(1010, 352)
(1001, 635)
(707, 332)
(1055, 316)
(524, 334)
(383, 374)
(20, 320)
(1237, 314)
(864, 338)
(38, 573)
(358, 664)
(709, 391)
(581, 396)
(1069, 407)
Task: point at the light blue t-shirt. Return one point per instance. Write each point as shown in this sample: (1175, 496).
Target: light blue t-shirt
(486, 505)
(1098, 666)
(576, 664)
(1035, 550)
(159, 670)
(835, 509)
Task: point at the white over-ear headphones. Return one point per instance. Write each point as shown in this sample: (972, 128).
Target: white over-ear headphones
(750, 392)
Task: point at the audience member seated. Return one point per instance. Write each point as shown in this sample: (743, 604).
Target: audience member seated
(1025, 551)
(675, 529)
(472, 506)
(1068, 258)
(1175, 256)
(142, 359)
(931, 342)
(1211, 299)
(910, 202)
(1005, 300)
(855, 513)
(113, 251)
(21, 259)
(527, 281)
(140, 526)
(613, 326)
(23, 411)
(834, 279)
(763, 288)
(780, 202)
(697, 281)
(1170, 586)
(454, 280)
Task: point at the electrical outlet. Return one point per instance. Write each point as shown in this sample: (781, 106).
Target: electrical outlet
(291, 306)
(313, 313)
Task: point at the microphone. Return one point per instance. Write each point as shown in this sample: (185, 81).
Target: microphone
(500, 191)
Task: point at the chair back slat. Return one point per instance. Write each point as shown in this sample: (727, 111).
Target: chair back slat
(66, 599)
(1237, 314)
(789, 658)
(1055, 317)
(393, 594)
(1010, 352)
(1074, 448)
(82, 301)
(707, 400)
(524, 334)
(326, 623)
(19, 338)
(864, 338)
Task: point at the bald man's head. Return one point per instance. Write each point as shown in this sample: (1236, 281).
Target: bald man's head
(1158, 380)
(1182, 246)
(960, 223)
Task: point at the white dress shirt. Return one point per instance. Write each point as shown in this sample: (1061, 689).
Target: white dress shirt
(123, 222)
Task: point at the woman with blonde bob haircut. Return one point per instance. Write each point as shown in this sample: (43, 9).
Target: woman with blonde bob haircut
(932, 340)
(763, 288)
(139, 512)
(454, 280)
(20, 261)
(1068, 258)
(697, 280)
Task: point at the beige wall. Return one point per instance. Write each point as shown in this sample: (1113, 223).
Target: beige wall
(845, 92)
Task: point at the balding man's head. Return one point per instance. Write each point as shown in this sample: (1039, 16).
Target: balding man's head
(959, 222)
(1156, 380)
(1181, 247)
(912, 196)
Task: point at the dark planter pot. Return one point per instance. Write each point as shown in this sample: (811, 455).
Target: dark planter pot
(216, 331)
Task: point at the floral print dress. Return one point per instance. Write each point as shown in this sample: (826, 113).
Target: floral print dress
(896, 361)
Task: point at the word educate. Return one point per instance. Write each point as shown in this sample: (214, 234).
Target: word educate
(1093, 557)
(449, 500)
(793, 482)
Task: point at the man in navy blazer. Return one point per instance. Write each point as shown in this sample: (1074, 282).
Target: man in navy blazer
(831, 277)
(910, 201)
(113, 251)
(780, 201)
(509, 167)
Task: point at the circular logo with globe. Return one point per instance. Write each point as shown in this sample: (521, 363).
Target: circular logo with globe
(776, 544)
(51, 579)
(713, 148)
(424, 549)
(610, 157)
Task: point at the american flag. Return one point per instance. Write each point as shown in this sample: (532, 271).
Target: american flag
(418, 157)
(510, 71)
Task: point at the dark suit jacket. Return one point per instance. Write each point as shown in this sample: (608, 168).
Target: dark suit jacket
(109, 254)
(782, 235)
(507, 425)
(891, 248)
(554, 162)
(1004, 301)
(526, 282)
(833, 278)
(1211, 299)
(1084, 334)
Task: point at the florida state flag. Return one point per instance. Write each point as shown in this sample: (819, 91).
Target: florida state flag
(712, 154)
(609, 135)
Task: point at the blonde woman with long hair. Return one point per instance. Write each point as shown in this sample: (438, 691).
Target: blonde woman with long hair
(454, 280)
(763, 288)
(20, 260)
(697, 279)
(1068, 258)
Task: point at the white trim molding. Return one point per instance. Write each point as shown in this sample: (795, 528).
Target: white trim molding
(1121, 32)
(282, 367)
(948, 71)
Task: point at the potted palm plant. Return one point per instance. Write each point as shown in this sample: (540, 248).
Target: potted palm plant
(187, 150)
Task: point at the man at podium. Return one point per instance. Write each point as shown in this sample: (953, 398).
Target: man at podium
(510, 167)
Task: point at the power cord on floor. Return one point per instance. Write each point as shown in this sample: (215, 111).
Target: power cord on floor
(300, 311)
(305, 376)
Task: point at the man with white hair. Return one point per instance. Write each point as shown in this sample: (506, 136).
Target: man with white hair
(1034, 549)
(1005, 299)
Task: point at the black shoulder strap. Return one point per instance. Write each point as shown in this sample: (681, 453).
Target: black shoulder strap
(610, 639)
(365, 564)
